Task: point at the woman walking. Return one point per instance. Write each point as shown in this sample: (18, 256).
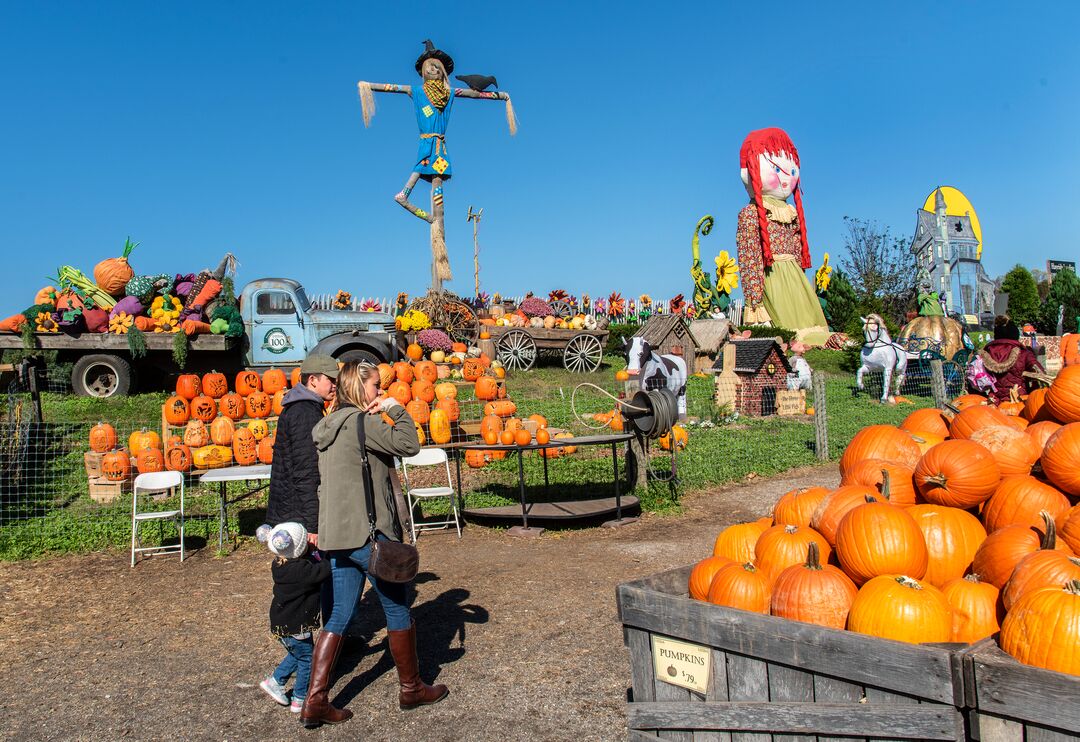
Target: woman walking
(345, 533)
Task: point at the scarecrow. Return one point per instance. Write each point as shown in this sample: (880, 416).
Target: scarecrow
(771, 235)
(432, 101)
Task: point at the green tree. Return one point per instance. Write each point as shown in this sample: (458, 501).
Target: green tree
(1023, 293)
(1064, 291)
(841, 301)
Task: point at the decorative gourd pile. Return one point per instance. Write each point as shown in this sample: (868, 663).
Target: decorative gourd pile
(946, 528)
(116, 300)
(538, 314)
(221, 426)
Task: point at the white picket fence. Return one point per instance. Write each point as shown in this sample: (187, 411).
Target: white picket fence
(325, 302)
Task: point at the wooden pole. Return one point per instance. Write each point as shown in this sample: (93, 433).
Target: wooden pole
(937, 384)
(440, 259)
(474, 217)
(821, 418)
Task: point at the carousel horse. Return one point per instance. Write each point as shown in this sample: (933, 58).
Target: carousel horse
(880, 353)
(656, 371)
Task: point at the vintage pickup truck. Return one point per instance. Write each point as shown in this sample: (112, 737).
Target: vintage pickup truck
(280, 329)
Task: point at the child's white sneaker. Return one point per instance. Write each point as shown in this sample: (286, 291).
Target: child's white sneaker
(274, 690)
(297, 705)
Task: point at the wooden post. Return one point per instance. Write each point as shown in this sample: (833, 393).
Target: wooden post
(474, 217)
(821, 419)
(637, 462)
(937, 384)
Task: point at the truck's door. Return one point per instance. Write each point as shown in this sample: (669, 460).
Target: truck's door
(277, 337)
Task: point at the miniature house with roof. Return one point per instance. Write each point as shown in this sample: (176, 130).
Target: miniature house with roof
(668, 334)
(749, 375)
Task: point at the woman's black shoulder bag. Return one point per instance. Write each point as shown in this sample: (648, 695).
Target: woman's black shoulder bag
(392, 561)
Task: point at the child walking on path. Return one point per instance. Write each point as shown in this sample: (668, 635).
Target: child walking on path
(294, 612)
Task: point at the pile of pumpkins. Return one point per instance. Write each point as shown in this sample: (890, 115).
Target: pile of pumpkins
(949, 527)
(499, 426)
(501, 318)
(461, 362)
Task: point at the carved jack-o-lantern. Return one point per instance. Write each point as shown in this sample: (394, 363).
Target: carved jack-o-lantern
(102, 438)
(203, 408)
(258, 404)
(244, 447)
(232, 406)
(215, 385)
(188, 386)
(248, 382)
(116, 466)
(176, 410)
(143, 439)
(150, 460)
(178, 458)
(258, 428)
(195, 434)
(277, 405)
(273, 380)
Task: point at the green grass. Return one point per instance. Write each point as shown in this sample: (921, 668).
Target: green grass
(53, 513)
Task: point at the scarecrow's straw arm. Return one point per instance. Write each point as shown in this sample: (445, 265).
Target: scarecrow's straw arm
(381, 87)
(511, 119)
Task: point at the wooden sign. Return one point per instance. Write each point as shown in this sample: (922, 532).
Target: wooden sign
(681, 663)
(790, 404)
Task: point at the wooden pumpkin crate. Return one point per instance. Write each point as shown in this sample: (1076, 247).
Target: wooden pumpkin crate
(104, 492)
(774, 679)
(1013, 702)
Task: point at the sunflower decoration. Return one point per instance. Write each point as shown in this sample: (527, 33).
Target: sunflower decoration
(120, 323)
(645, 301)
(558, 295)
(677, 304)
(342, 300)
(823, 276)
(370, 305)
(401, 304)
(45, 322)
(727, 273)
(586, 303)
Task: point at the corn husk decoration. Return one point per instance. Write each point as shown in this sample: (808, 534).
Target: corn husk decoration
(112, 274)
(68, 277)
(121, 323)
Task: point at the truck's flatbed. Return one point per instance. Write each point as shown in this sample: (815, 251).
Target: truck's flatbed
(108, 341)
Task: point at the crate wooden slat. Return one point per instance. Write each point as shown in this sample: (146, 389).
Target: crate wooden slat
(774, 679)
(1018, 703)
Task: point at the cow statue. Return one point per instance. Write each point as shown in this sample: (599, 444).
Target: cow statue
(655, 371)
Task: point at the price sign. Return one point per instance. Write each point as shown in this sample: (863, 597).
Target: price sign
(681, 663)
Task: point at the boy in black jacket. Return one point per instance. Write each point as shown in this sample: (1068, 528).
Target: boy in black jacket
(294, 612)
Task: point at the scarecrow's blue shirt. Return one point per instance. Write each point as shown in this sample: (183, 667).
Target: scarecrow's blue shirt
(432, 158)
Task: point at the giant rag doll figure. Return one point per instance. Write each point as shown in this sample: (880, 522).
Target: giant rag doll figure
(773, 252)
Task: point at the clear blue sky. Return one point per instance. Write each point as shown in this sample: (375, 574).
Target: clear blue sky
(199, 128)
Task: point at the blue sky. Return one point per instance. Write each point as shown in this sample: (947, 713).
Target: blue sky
(199, 128)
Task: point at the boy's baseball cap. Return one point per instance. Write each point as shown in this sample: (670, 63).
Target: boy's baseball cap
(317, 363)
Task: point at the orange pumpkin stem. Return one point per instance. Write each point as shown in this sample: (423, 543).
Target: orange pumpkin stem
(973, 578)
(906, 581)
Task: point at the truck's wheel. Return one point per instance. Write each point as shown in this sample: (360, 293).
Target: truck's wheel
(101, 375)
(361, 356)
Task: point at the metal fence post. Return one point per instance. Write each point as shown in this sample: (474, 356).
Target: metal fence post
(937, 384)
(821, 417)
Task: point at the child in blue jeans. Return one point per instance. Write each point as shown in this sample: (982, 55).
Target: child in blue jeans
(294, 612)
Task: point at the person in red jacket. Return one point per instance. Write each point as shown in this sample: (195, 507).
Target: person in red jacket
(1006, 359)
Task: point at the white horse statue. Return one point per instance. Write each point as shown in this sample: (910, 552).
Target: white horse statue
(656, 371)
(880, 353)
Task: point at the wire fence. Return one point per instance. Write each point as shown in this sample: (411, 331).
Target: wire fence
(55, 498)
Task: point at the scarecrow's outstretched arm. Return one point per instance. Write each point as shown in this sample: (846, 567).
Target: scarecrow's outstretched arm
(367, 100)
(511, 120)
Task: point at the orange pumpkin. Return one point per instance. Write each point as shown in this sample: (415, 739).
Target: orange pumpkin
(222, 431)
(701, 576)
(439, 427)
(265, 450)
(143, 439)
(780, 547)
(273, 381)
(427, 371)
(901, 608)
(622, 375)
(476, 459)
(797, 506)
(872, 473)
(1003, 549)
(880, 442)
(215, 385)
(827, 516)
(540, 420)
(1043, 626)
(969, 400)
(506, 437)
(204, 408)
(958, 473)
(1019, 500)
(975, 608)
(542, 436)
(740, 586)
(232, 406)
(386, 375)
(403, 371)
(1060, 457)
(1063, 399)
(445, 390)
(102, 438)
(176, 410)
(970, 419)
(1070, 529)
(248, 382)
(244, 447)
(277, 402)
(258, 404)
(1035, 409)
(178, 458)
(150, 460)
(1014, 451)
(1046, 568)
(512, 424)
(502, 408)
(813, 592)
(880, 539)
(196, 434)
(737, 542)
(1041, 431)
(116, 466)
(952, 537)
(472, 369)
(414, 352)
(522, 437)
(188, 386)
(294, 377)
(400, 391)
(486, 388)
(419, 410)
(450, 407)
(929, 420)
(424, 390)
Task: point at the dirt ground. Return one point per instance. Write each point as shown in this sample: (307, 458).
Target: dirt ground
(524, 632)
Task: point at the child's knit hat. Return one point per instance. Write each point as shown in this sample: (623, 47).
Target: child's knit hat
(288, 540)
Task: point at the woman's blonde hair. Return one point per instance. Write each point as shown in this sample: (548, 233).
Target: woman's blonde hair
(350, 384)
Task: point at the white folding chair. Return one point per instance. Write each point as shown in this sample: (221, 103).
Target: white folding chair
(156, 482)
(430, 457)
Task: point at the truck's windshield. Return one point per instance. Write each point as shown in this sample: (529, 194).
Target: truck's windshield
(305, 303)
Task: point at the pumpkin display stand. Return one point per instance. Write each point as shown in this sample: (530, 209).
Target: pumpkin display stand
(104, 491)
(168, 430)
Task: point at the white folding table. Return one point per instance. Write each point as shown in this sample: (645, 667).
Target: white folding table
(223, 476)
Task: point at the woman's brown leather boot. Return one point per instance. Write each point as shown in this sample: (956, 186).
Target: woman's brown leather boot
(414, 691)
(317, 709)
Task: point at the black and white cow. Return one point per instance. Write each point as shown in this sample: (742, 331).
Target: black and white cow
(656, 371)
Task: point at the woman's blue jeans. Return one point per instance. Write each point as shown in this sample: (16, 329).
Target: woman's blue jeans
(348, 572)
